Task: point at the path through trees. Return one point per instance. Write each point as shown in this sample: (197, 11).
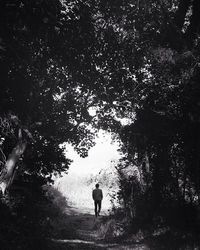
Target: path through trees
(135, 60)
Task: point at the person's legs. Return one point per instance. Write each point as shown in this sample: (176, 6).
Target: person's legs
(95, 208)
(99, 207)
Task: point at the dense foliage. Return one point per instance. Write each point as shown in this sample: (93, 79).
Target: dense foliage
(39, 42)
(163, 141)
(122, 59)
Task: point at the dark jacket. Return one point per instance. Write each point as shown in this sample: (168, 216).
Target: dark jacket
(97, 194)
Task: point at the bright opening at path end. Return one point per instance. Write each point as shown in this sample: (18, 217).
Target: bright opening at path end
(84, 173)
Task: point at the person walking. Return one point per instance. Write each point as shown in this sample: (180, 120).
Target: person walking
(97, 196)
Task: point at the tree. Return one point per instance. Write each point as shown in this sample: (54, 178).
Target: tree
(129, 59)
(148, 58)
(40, 51)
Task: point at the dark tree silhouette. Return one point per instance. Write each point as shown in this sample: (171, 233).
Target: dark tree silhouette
(124, 59)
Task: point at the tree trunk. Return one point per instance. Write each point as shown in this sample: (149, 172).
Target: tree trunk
(7, 174)
(132, 209)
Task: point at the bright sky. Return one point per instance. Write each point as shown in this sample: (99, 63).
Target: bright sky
(100, 156)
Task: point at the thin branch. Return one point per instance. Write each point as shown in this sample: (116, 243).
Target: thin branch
(3, 156)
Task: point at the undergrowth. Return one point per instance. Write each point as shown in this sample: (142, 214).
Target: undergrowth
(31, 217)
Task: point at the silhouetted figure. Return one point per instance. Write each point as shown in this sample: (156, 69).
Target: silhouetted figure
(97, 196)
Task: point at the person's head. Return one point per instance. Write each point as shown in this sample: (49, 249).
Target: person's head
(97, 185)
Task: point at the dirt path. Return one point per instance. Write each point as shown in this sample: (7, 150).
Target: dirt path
(85, 233)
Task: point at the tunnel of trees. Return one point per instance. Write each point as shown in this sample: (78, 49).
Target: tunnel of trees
(124, 59)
